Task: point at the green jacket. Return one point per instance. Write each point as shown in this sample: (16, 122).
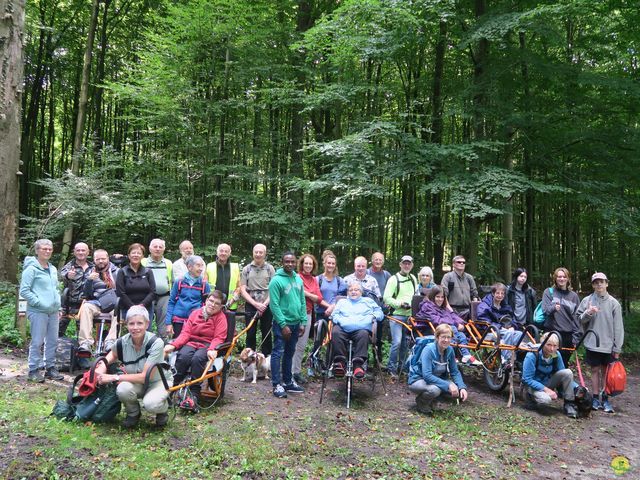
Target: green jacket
(287, 302)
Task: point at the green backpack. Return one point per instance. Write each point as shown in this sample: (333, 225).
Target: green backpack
(101, 406)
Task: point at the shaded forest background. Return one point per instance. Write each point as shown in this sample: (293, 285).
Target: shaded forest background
(507, 131)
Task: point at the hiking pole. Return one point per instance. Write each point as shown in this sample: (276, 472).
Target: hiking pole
(511, 373)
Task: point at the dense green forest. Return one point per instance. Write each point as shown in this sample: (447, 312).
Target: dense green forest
(507, 131)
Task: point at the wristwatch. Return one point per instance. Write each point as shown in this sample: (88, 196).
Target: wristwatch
(117, 377)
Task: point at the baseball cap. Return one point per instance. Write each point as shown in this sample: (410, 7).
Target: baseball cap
(599, 276)
(407, 258)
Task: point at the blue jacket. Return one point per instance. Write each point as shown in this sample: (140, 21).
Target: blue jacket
(487, 312)
(436, 369)
(190, 298)
(39, 286)
(538, 377)
(354, 315)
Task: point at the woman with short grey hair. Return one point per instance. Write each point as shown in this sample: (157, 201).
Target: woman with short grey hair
(39, 286)
(187, 294)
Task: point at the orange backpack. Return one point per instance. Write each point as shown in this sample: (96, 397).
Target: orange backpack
(616, 380)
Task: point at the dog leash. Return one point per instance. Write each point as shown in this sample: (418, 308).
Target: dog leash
(579, 370)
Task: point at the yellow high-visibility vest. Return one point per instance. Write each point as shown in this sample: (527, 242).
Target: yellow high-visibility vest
(234, 281)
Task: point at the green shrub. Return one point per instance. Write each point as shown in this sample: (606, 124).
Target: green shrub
(8, 331)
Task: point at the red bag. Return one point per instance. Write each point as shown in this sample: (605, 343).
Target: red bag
(88, 383)
(616, 380)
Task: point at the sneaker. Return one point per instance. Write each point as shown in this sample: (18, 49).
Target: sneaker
(338, 369)
(299, 379)
(293, 387)
(595, 404)
(189, 404)
(162, 419)
(131, 421)
(570, 410)
(471, 360)
(53, 374)
(607, 407)
(35, 376)
(359, 373)
(279, 391)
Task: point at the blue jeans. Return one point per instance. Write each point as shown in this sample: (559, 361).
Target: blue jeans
(461, 339)
(282, 354)
(44, 330)
(398, 343)
(509, 337)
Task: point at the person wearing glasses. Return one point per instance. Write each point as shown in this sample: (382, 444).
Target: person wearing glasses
(459, 288)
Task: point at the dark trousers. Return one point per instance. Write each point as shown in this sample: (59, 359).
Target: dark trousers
(190, 358)
(177, 328)
(566, 342)
(265, 322)
(340, 344)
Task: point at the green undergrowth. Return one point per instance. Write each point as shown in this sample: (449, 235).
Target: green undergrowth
(231, 442)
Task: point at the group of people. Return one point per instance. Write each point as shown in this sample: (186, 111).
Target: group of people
(194, 305)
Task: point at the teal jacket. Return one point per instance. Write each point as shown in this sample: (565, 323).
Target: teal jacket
(39, 287)
(286, 299)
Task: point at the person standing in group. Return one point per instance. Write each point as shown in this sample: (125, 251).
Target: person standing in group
(425, 277)
(39, 287)
(521, 298)
(459, 288)
(287, 303)
(254, 288)
(73, 276)
(307, 266)
(559, 304)
(180, 266)
(369, 284)
(398, 295)
(601, 313)
(135, 284)
(331, 286)
(162, 270)
(382, 276)
(224, 276)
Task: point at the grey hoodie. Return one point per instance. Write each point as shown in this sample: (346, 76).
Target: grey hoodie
(607, 323)
(39, 286)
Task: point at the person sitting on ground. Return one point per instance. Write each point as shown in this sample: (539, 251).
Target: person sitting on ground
(198, 342)
(187, 295)
(435, 309)
(495, 310)
(425, 279)
(100, 294)
(139, 353)
(543, 372)
(436, 373)
(352, 320)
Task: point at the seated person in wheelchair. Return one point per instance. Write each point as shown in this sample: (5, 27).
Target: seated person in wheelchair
(435, 308)
(204, 331)
(140, 350)
(436, 372)
(100, 293)
(543, 372)
(353, 319)
(495, 310)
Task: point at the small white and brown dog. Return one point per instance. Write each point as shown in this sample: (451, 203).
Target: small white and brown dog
(254, 365)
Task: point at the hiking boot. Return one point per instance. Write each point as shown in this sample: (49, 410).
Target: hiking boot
(338, 369)
(131, 421)
(293, 387)
(53, 374)
(359, 373)
(35, 376)
(162, 419)
(595, 404)
(84, 350)
(279, 391)
(570, 410)
(607, 407)
(299, 379)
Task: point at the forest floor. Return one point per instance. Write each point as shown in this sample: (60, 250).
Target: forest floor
(252, 434)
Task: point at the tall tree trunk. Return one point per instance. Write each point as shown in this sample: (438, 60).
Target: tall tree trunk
(11, 72)
(82, 114)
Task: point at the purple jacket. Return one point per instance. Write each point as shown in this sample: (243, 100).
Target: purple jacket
(437, 315)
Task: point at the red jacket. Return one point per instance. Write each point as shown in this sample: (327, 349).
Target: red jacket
(200, 333)
(311, 285)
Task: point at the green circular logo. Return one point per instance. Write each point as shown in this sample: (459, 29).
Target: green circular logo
(620, 465)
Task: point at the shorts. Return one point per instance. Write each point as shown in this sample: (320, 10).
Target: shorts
(597, 359)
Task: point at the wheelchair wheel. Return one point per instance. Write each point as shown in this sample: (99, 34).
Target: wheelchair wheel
(497, 376)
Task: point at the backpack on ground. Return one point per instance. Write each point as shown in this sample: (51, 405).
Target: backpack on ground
(616, 381)
(66, 350)
(413, 362)
(539, 317)
(102, 405)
